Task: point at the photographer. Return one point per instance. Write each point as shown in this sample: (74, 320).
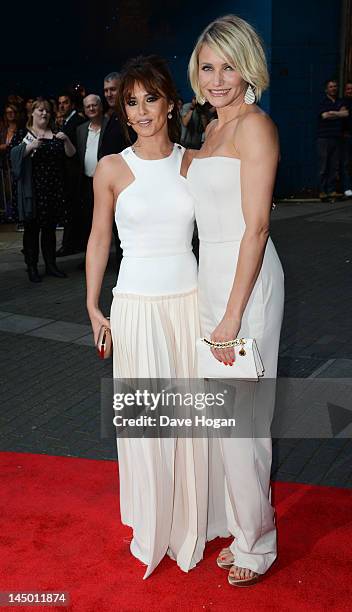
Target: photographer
(194, 123)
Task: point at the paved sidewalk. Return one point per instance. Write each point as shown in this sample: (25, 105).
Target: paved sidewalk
(50, 375)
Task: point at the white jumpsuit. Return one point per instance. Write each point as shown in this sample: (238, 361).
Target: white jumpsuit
(246, 462)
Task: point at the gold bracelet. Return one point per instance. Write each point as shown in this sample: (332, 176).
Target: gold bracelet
(227, 344)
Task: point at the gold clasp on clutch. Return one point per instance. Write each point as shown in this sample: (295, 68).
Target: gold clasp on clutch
(242, 352)
(102, 341)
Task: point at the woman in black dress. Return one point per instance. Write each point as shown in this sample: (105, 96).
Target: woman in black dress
(37, 161)
(8, 128)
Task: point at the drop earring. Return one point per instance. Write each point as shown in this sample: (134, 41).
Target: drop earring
(249, 96)
(201, 100)
(128, 123)
(169, 115)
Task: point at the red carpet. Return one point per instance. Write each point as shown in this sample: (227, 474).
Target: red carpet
(60, 530)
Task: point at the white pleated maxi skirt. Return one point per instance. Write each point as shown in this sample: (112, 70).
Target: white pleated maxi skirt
(163, 481)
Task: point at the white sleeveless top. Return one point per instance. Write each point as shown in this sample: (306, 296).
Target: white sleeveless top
(155, 220)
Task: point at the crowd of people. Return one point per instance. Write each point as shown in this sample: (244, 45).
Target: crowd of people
(49, 150)
(335, 142)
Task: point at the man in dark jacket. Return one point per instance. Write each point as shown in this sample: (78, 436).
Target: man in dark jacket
(331, 112)
(346, 161)
(72, 119)
(89, 138)
(113, 139)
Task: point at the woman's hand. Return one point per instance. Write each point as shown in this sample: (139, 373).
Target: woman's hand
(70, 150)
(34, 145)
(97, 319)
(227, 329)
(62, 136)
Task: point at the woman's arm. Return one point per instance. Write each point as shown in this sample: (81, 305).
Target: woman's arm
(98, 248)
(14, 149)
(33, 146)
(70, 150)
(257, 143)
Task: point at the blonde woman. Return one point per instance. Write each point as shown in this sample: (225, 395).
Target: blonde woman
(37, 162)
(241, 283)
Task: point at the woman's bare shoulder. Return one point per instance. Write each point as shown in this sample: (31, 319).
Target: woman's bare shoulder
(211, 125)
(188, 156)
(111, 168)
(110, 162)
(256, 130)
(257, 121)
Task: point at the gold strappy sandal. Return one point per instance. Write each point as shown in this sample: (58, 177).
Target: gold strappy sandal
(244, 582)
(224, 560)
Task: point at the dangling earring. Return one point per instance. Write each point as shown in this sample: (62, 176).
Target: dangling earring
(249, 97)
(201, 100)
(169, 115)
(128, 123)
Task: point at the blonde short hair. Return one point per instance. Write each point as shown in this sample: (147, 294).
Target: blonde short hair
(39, 102)
(239, 44)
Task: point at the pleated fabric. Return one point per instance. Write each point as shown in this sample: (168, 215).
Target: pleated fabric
(163, 481)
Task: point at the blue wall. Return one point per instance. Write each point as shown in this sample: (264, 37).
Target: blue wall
(304, 53)
(194, 20)
(301, 40)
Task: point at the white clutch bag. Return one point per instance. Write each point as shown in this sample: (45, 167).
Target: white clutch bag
(248, 364)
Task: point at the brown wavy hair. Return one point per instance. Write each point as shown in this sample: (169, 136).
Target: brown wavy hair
(15, 109)
(153, 73)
